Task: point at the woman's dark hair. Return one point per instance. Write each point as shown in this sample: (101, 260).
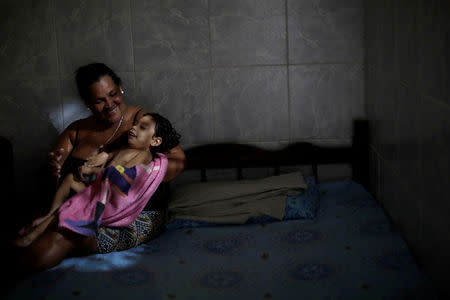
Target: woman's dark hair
(91, 73)
(164, 129)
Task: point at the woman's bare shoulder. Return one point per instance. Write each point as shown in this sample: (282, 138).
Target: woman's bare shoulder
(85, 122)
(67, 138)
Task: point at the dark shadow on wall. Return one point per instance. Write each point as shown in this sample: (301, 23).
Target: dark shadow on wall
(25, 190)
(7, 183)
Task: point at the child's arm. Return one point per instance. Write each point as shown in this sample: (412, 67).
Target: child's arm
(95, 164)
(86, 170)
(99, 160)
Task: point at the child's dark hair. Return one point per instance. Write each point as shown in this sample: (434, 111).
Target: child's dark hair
(164, 129)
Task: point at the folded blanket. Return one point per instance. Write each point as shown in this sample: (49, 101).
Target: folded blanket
(234, 202)
(115, 198)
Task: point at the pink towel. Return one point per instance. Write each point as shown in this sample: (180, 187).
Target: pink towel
(115, 198)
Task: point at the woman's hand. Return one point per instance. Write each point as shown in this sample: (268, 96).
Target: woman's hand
(54, 162)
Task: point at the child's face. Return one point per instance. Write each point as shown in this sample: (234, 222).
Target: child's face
(141, 135)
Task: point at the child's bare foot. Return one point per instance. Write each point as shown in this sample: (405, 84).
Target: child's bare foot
(25, 230)
(33, 232)
(22, 241)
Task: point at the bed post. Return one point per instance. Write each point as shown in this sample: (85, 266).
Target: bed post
(360, 152)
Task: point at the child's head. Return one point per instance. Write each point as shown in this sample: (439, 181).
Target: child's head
(153, 131)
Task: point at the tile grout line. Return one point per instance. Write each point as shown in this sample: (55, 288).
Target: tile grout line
(58, 65)
(288, 85)
(132, 46)
(194, 68)
(211, 75)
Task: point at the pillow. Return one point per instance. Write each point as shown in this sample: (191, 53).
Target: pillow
(305, 205)
(301, 206)
(235, 201)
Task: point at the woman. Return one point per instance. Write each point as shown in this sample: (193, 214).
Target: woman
(106, 130)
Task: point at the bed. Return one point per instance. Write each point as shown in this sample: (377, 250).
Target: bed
(342, 247)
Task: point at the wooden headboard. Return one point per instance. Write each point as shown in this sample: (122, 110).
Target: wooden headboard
(240, 156)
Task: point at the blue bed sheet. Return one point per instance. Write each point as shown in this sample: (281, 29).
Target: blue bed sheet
(348, 251)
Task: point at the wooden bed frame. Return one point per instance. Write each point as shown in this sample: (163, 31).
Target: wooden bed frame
(240, 156)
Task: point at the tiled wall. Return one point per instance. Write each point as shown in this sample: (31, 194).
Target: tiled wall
(266, 72)
(408, 104)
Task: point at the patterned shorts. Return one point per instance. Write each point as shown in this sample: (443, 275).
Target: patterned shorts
(147, 226)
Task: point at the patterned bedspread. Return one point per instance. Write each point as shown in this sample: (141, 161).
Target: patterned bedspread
(349, 251)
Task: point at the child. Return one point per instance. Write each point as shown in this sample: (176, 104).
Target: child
(152, 132)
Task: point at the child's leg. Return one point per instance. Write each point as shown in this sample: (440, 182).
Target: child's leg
(63, 191)
(61, 195)
(39, 225)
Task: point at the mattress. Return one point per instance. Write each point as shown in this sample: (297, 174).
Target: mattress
(350, 250)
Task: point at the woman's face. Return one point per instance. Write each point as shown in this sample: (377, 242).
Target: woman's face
(106, 101)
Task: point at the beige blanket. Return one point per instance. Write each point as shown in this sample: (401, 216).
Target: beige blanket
(234, 202)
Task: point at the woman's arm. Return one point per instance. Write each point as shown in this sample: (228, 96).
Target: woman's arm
(176, 163)
(61, 150)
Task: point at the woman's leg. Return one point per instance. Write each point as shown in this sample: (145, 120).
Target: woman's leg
(50, 248)
(147, 226)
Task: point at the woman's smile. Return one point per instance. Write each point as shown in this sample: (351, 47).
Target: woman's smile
(106, 101)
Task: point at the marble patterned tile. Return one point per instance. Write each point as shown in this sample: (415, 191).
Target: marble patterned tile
(370, 31)
(406, 53)
(370, 88)
(26, 104)
(434, 148)
(94, 31)
(382, 106)
(250, 104)
(170, 34)
(385, 39)
(406, 130)
(30, 117)
(434, 49)
(183, 97)
(374, 175)
(28, 43)
(401, 203)
(387, 110)
(434, 248)
(324, 100)
(325, 31)
(248, 32)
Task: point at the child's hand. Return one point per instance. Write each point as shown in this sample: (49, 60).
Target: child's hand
(97, 160)
(83, 171)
